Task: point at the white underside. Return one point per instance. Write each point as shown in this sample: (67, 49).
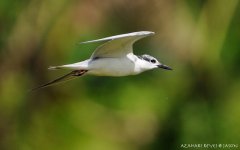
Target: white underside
(112, 67)
(121, 66)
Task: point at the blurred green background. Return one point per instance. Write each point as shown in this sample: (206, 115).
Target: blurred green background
(198, 102)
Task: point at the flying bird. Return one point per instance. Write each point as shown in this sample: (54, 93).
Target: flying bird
(113, 58)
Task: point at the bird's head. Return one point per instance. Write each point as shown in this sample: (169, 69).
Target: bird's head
(149, 62)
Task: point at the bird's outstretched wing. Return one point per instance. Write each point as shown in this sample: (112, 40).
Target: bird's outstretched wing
(119, 45)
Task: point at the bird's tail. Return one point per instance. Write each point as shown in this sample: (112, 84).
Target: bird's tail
(76, 66)
(58, 67)
(72, 75)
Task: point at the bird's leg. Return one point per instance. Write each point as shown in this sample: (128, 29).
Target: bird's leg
(78, 72)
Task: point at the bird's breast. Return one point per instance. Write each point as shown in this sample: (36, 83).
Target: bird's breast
(112, 67)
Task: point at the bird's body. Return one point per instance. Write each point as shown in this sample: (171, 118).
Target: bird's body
(121, 66)
(113, 58)
(117, 67)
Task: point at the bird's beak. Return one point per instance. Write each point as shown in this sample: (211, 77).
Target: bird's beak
(164, 67)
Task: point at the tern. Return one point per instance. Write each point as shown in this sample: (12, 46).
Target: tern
(113, 58)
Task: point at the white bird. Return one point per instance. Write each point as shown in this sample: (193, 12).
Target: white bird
(113, 58)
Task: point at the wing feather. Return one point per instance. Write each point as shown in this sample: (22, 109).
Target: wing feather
(119, 45)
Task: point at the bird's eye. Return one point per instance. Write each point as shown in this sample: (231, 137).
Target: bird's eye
(153, 61)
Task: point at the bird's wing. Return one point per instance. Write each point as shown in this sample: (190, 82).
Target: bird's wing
(119, 45)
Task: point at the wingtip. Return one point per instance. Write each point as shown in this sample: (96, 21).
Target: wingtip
(140, 33)
(85, 42)
(148, 32)
(152, 32)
